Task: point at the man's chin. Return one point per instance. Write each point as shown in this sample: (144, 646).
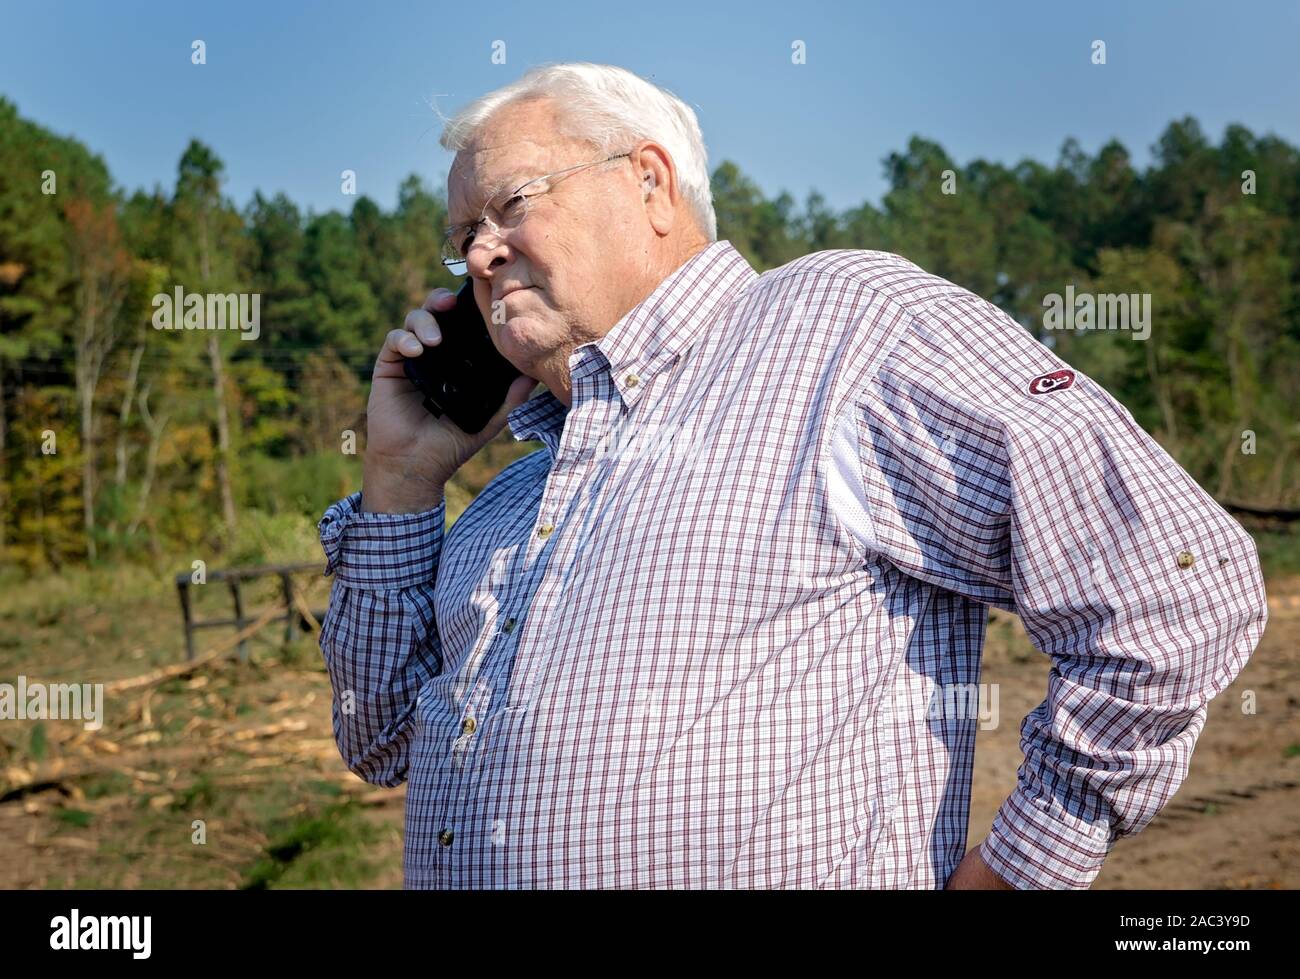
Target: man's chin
(521, 337)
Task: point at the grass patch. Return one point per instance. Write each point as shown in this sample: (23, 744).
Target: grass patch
(78, 818)
(110, 783)
(320, 851)
(201, 793)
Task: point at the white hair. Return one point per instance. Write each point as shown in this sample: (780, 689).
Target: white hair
(611, 108)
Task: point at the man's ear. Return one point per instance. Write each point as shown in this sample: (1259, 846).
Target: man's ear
(659, 189)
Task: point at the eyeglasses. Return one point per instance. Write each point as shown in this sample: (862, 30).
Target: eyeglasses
(511, 208)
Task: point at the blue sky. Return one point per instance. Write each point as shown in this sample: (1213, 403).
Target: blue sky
(293, 93)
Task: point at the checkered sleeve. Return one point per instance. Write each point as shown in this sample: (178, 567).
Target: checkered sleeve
(379, 637)
(1046, 497)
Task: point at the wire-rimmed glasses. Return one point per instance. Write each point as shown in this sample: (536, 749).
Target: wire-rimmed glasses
(510, 209)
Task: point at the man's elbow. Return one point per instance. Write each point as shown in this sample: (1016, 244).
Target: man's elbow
(1240, 606)
(375, 767)
(377, 760)
(385, 777)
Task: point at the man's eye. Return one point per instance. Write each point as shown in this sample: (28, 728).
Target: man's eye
(513, 206)
(466, 240)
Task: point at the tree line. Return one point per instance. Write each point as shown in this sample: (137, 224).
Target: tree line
(119, 441)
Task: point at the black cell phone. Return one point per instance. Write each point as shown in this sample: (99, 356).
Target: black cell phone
(464, 377)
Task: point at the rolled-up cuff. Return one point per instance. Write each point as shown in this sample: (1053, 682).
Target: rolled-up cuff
(381, 551)
(1036, 844)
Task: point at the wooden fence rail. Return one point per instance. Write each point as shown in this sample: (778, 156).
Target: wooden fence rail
(294, 610)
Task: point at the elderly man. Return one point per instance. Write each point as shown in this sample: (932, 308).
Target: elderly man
(697, 638)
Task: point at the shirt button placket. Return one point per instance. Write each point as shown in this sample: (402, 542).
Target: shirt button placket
(464, 747)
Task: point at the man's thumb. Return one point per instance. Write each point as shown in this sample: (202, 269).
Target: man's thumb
(519, 392)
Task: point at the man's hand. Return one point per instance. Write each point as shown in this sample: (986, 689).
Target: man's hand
(973, 874)
(410, 455)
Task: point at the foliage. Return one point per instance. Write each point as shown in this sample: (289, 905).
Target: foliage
(170, 445)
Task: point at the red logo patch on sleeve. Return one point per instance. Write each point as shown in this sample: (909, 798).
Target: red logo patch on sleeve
(1055, 381)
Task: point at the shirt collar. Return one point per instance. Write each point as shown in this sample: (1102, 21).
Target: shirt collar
(653, 333)
(540, 418)
(672, 318)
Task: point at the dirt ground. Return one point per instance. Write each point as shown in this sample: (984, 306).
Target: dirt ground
(246, 748)
(1235, 822)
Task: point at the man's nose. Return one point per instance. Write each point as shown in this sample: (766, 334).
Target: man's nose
(484, 256)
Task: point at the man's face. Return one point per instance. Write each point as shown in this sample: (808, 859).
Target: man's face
(577, 263)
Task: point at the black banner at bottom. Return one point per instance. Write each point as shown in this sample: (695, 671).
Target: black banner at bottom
(340, 929)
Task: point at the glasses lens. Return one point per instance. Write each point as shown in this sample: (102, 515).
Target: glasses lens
(451, 246)
(513, 210)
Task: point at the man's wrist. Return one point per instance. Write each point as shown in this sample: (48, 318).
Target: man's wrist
(973, 874)
(382, 493)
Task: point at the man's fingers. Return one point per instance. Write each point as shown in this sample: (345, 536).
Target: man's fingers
(424, 326)
(400, 344)
(439, 301)
(419, 330)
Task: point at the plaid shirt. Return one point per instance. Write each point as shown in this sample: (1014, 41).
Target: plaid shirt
(698, 639)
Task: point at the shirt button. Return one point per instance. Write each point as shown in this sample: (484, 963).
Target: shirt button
(469, 726)
(445, 837)
(631, 380)
(545, 529)
(508, 625)
(1186, 559)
